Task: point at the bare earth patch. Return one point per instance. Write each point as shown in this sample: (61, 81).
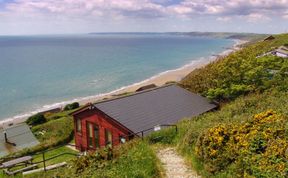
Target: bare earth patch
(174, 164)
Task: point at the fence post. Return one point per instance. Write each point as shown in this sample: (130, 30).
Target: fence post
(44, 161)
(142, 133)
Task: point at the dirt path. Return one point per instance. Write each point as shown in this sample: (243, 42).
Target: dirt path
(174, 164)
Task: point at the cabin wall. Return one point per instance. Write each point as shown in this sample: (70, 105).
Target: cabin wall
(103, 122)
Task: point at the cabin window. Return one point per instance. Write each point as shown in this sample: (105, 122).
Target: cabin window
(93, 135)
(90, 134)
(96, 136)
(108, 137)
(78, 125)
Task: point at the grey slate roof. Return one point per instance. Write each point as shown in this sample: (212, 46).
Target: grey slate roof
(21, 135)
(163, 105)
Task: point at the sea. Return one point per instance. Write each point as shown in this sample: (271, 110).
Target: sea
(46, 71)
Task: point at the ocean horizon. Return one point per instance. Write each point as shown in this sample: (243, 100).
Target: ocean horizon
(38, 73)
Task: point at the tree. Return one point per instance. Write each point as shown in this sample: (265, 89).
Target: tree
(71, 106)
(36, 119)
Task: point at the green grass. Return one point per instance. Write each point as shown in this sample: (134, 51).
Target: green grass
(245, 86)
(55, 152)
(134, 159)
(54, 132)
(57, 131)
(49, 154)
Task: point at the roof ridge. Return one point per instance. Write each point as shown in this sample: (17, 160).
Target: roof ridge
(135, 93)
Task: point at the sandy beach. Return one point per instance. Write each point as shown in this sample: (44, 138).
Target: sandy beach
(160, 79)
(168, 76)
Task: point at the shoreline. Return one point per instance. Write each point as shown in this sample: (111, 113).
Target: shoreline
(158, 79)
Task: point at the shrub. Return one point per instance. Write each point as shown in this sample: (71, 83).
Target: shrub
(133, 159)
(240, 73)
(256, 148)
(71, 106)
(36, 119)
(54, 132)
(231, 92)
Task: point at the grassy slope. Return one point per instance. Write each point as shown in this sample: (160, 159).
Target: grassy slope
(38, 158)
(134, 159)
(265, 91)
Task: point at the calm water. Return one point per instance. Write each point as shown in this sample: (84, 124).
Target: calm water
(43, 70)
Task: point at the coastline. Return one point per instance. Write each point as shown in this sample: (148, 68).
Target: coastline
(159, 79)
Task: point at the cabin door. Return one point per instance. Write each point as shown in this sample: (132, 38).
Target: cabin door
(93, 135)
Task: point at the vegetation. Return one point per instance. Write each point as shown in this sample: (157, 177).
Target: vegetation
(49, 154)
(255, 148)
(233, 115)
(134, 159)
(71, 106)
(247, 137)
(56, 131)
(241, 73)
(36, 119)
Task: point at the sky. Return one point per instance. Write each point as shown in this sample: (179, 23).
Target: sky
(22, 17)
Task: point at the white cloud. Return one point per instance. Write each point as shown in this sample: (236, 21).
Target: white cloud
(223, 19)
(255, 17)
(141, 11)
(252, 9)
(285, 15)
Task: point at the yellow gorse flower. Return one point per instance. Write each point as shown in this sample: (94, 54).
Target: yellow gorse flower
(260, 142)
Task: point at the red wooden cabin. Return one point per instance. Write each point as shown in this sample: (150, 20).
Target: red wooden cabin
(94, 129)
(112, 121)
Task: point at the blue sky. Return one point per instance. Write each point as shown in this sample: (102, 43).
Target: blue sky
(19, 17)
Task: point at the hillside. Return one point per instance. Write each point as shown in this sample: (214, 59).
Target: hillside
(227, 35)
(241, 72)
(247, 136)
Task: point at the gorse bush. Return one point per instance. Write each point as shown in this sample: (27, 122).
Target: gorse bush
(257, 147)
(36, 119)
